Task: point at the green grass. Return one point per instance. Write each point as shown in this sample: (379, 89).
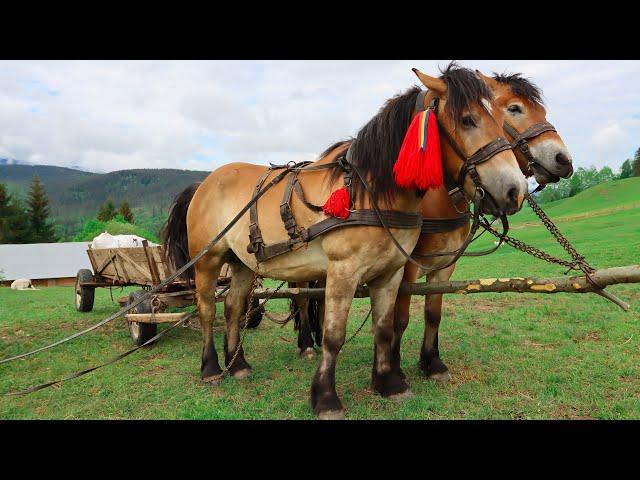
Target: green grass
(510, 355)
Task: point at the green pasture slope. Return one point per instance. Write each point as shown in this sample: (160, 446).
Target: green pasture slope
(511, 356)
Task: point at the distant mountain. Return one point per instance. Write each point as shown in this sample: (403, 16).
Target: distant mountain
(75, 194)
(12, 161)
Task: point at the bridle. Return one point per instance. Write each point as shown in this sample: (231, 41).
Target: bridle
(455, 187)
(520, 141)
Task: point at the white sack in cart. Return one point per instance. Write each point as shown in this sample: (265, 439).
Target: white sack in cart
(106, 240)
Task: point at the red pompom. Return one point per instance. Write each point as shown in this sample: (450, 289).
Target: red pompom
(419, 163)
(338, 204)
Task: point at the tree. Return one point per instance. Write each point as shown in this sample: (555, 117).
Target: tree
(107, 211)
(14, 223)
(635, 165)
(125, 211)
(41, 231)
(626, 170)
(605, 175)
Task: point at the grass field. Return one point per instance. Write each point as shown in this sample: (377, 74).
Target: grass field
(511, 356)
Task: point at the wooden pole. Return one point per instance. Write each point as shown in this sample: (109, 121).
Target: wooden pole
(564, 284)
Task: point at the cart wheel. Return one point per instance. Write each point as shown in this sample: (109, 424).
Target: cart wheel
(141, 332)
(256, 316)
(84, 295)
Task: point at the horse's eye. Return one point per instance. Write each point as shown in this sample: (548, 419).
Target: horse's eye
(467, 121)
(515, 109)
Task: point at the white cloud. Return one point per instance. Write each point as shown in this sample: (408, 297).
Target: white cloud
(107, 115)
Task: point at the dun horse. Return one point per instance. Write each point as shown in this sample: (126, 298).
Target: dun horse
(521, 102)
(347, 256)
(540, 152)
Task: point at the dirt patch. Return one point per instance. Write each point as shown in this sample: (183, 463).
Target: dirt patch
(530, 343)
(461, 374)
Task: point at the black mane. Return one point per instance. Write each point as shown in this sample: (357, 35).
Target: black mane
(521, 86)
(464, 88)
(376, 146)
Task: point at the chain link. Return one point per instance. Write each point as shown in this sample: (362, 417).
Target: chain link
(243, 333)
(578, 261)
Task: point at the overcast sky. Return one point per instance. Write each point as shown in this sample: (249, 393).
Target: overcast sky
(113, 115)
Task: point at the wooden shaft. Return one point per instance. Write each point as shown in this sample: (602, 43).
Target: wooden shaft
(564, 284)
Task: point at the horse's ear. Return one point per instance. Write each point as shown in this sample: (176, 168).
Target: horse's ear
(432, 83)
(490, 81)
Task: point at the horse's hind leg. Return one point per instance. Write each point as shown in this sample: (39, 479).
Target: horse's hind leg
(385, 379)
(401, 319)
(235, 307)
(206, 273)
(305, 339)
(430, 362)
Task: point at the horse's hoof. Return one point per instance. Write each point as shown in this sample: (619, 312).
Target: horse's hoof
(308, 353)
(440, 377)
(240, 374)
(398, 397)
(214, 380)
(331, 415)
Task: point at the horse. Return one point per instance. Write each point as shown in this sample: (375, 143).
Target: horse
(349, 256)
(542, 154)
(521, 102)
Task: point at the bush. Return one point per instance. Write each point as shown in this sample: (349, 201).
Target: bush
(117, 226)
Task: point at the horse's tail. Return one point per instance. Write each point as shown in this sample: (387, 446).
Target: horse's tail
(315, 320)
(313, 313)
(176, 242)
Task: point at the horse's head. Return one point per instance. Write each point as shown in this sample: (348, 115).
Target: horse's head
(476, 156)
(541, 151)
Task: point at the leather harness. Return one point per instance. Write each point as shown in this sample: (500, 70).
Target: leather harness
(299, 235)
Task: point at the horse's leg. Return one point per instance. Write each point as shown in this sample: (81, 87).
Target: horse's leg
(206, 275)
(340, 288)
(401, 318)
(300, 305)
(235, 306)
(385, 380)
(430, 362)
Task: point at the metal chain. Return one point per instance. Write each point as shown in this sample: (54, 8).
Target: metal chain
(578, 263)
(243, 332)
(359, 328)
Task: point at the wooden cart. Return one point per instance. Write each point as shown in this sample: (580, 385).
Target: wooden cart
(146, 267)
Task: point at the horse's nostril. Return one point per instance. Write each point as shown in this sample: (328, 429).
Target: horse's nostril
(562, 159)
(512, 195)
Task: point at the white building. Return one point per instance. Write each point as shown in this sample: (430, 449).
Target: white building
(47, 264)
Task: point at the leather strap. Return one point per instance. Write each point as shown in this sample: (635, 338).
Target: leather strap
(520, 139)
(444, 225)
(391, 219)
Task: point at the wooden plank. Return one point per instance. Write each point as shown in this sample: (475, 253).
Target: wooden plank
(124, 256)
(153, 268)
(154, 317)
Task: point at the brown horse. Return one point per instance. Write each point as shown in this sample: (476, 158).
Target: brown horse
(346, 257)
(520, 100)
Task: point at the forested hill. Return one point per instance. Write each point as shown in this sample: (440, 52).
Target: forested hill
(75, 194)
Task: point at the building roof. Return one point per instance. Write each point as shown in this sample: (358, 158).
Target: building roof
(43, 260)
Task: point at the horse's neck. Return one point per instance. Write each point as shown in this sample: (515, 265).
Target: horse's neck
(437, 203)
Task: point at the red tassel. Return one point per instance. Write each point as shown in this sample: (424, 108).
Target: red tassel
(419, 163)
(338, 204)
(407, 167)
(431, 172)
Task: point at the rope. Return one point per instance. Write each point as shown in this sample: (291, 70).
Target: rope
(81, 373)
